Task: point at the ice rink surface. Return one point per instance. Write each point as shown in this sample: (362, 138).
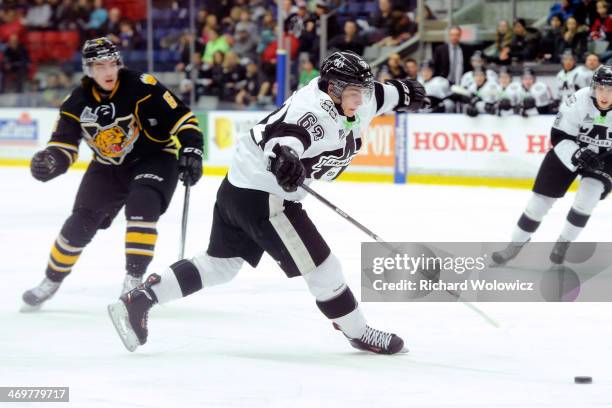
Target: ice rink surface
(260, 341)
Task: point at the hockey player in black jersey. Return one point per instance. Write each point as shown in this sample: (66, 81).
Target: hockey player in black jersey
(132, 123)
(314, 135)
(580, 136)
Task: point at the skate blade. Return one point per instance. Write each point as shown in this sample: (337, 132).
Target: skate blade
(27, 308)
(119, 316)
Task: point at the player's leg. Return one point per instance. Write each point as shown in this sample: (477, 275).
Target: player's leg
(593, 187)
(551, 183)
(153, 183)
(284, 230)
(97, 202)
(219, 264)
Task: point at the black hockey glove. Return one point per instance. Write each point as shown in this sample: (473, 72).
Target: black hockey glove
(505, 104)
(490, 108)
(412, 94)
(287, 167)
(48, 164)
(586, 159)
(529, 103)
(190, 165)
(471, 111)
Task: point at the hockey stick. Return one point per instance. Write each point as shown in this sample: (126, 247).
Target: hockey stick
(388, 246)
(184, 220)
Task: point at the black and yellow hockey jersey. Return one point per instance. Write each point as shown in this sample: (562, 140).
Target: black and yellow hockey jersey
(140, 116)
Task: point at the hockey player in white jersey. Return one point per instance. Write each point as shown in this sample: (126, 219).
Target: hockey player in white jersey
(437, 90)
(567, 78)
(580, 134)
(509, 93)
(584, 73)
(314, 135)
(477, 62)
(484, 95)
(534, 97)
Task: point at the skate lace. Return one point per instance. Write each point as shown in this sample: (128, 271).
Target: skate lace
(47, 286)
(376, 338)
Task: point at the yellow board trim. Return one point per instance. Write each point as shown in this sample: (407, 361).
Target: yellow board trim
(497, 182)
(140, 238)
(61, 258)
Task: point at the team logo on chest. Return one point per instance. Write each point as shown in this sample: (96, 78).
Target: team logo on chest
(330, 165)
(597, 135)
(114, 141)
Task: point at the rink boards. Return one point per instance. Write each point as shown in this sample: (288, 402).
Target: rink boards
(418, 148)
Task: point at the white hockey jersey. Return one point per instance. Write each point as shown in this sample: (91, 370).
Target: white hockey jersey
(566, 83)
(467, 79)
(580, 119)
(584, 76)
(538, 91)
(438, 89)
(487, 93)
(331, 144)
(512, 92)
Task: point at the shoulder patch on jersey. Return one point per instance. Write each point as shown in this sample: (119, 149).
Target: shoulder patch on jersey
(558, 119)
(329, 107)
(148, 79)
(570, 100)
(170, 99)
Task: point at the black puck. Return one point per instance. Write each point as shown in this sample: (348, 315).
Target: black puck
(583, 380)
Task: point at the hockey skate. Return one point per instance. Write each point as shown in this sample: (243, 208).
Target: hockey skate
(35, 297)
(557, 255)
(130, 282)
(507, 254)
(130, 314)
(377, 341)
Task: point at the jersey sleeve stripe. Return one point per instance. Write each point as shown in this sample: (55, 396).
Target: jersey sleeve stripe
(379, 94)
(70, 115)
(179, 122)
(64, 146)
(187, 126)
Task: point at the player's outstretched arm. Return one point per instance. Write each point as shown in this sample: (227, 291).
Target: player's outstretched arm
(412, 96)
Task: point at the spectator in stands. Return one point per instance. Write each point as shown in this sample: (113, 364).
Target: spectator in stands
(525, 42)
(11, 24)
(228, 23)
(245, 44)
(253, 88)
(307, 74)
(349, 41)
(503, 37)
(83, 11)
(333, 28)
(412, 68)
(214, 44)
(129, 37)
(201, 19)
(309, 40)
(574, 38)
(15, 65)
(551, 38)
(393, 69)
(184, 48)
(247, 25)
(267, 32)
(400, 29)
(212, 75)
(113, 24)
(268, 57)
(602, 27)
(453, 58)
(585, 12)
(38, 16)
(234, 76)
(97, 19)
(293, 23)
(63, 16)
(565, 9)
(380, 22)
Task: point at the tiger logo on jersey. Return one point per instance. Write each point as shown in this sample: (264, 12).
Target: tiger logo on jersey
(113, 142)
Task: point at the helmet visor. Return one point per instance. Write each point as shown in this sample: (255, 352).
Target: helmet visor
(354, 91)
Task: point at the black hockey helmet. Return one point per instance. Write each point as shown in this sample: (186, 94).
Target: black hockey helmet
(99, 49)
(344, 68)
(603, 76)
